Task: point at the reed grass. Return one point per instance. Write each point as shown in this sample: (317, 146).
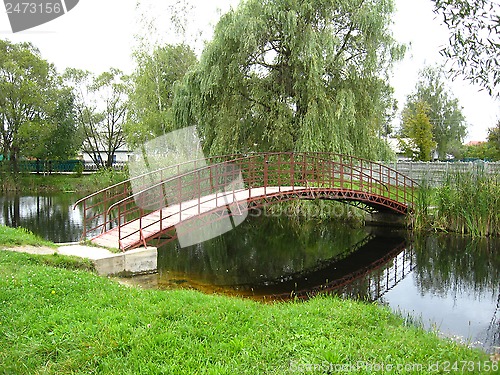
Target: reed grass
(469, 203)
(466, 203)
(421, 217)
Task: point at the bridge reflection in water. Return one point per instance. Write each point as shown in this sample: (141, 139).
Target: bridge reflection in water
(367, 273)
(444, 281)
(275, 258)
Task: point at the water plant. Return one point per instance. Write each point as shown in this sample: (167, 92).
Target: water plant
(420, 217)
(469, 203)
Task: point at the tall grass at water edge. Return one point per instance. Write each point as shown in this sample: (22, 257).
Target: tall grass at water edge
(469, 203)
(421, 218)
(466, 203)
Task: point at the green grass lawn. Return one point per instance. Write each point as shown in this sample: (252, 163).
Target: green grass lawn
(10, 237)
(56, 320)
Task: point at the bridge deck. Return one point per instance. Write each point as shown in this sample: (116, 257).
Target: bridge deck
(269, 178)
(175, 214)
(139, 231)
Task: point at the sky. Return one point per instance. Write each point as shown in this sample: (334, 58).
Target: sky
(97, 35)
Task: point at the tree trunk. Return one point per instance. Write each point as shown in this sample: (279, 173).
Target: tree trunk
(13, 161)
(109, 162)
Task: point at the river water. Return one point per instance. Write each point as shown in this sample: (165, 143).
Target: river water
(447, 283)
(50, 215)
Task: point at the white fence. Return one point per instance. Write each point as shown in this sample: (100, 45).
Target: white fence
(434, 173)
(91, 167)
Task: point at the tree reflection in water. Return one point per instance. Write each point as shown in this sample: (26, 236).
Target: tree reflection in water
(50, 216)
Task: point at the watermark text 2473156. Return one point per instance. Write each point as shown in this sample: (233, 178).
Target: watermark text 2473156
(25, 14)
(34, 8)
(444, 367)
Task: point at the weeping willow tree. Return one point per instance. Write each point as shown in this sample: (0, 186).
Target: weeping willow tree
(283, 75)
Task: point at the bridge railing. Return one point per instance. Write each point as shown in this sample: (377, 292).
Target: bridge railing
(188, 186)
(370, 282)
(95, 206)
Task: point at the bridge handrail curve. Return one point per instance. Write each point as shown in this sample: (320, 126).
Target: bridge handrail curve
(127, 189)
(326, 167)
(159, 170)
(160, 183)
(80, 201)
(207, 167)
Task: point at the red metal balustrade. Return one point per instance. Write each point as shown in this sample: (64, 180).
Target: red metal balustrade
(167, 198)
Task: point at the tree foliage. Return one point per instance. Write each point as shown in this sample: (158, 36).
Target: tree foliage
(483, 151)
(58, 138)
(444, 111)
(474, 43)
(293, 75)
(152, 92)
(101, 107)
(494, 137)
(489, 150)
(416, 133)
(36, 110)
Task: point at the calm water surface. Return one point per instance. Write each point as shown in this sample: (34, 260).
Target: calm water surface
(449, 283)
(51, 216)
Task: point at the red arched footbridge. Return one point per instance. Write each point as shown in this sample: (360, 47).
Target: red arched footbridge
(155, 206)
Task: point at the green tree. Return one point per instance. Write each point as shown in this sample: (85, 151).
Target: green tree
(444, 111)
(152, 91)
(58, 137)
(483, 150)
(416, 133)
(486, 150)
(494, 137)
(293, 75)
(29, 92)
(474, 44)
(101, 104)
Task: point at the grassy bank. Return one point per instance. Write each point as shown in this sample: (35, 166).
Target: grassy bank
(33, 183)
(58, 321)
(10, 237)
(467, 203)
(21, 237)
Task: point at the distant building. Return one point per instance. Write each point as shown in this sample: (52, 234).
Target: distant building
(475, 143)
(395, 146)
(120, 158)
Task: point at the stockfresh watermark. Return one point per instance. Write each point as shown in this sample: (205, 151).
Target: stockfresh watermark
(429, 368)
(179, 153)
(24, 15)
